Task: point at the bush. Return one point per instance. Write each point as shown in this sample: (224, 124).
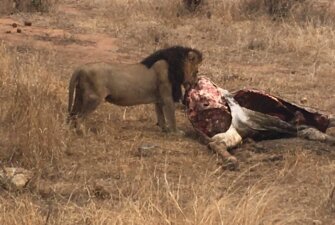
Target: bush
(318, 12)
(12, 6)
(192, 5)
(274, 8)
(7, 7)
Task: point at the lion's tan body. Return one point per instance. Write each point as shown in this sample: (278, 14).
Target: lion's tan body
(118, 82)
(126, 85)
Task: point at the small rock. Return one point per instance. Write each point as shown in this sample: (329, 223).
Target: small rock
(14, 25)
(18, 30)
(317, 222)
(256, 44)
(27, 23)
(14, 178)
(145, 150)
(273, 158)
(8, 32)
(101, 192)
(303, 100)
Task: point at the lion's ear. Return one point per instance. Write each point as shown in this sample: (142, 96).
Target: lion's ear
(192, 57)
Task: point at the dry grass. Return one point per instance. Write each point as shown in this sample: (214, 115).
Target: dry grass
(101, 178)
(7, 7)
(31, 96)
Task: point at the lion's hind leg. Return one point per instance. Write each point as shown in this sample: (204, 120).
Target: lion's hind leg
(86, 101)
(90, 102)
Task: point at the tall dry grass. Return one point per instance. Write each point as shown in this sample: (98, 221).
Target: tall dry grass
(31, 111)
(298, 195)
(303, 10)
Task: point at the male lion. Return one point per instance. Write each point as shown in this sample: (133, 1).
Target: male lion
(156, 79)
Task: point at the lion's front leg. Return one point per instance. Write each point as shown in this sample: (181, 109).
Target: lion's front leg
(168, 107)
(170, 116)
(160, 117)
(169, 113)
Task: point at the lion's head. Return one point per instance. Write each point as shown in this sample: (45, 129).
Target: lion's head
(183, 66)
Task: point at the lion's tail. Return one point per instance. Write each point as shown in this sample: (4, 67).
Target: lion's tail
(72, 87)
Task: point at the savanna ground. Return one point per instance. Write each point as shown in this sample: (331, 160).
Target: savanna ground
(104, 177)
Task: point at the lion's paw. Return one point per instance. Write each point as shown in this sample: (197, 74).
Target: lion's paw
(179, 132)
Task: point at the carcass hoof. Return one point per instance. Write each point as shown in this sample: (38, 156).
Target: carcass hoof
(231, 163)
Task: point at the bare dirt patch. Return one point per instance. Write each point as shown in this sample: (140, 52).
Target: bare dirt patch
(78, 47)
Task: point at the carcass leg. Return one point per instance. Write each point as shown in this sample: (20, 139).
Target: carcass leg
(221, 142)
(314, 134)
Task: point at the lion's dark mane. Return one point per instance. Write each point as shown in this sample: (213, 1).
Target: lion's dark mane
(175, 57)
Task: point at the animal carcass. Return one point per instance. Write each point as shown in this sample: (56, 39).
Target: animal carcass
(225, 118)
